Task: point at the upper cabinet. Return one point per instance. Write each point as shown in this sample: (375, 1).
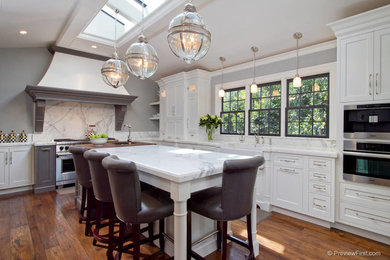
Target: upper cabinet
(363, 43)
(185, 97)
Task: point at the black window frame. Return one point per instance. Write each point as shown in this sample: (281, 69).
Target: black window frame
(311, 107)
(268, 109)
(235, 112)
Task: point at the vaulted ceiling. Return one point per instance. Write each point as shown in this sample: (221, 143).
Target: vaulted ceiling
(235, 27)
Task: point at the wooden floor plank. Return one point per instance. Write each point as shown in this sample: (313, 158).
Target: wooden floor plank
(45, 226)
(21, 243)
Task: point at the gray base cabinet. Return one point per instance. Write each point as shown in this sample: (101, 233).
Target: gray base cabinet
(45, 168)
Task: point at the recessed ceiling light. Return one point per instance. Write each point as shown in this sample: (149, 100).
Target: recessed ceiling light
(23, 32)
(93, 46)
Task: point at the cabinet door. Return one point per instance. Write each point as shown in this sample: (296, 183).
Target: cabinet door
(192, 116)
(3, 167)
(288, 188)
(20, 166)
(356, 68)
(45, 167)
(382, 64)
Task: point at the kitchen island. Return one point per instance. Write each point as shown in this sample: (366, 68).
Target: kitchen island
(181, 172)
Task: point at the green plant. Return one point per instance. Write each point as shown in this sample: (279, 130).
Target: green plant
(211, 122)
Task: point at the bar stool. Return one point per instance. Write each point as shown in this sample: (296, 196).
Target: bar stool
(102, 192)
(133, 206)
(230, 202)
(84, 178)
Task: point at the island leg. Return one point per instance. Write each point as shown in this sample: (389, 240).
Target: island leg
(180, 193)
(254, 224)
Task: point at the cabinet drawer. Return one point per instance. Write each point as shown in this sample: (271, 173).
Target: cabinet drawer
(319, 164)
(366, 196)
(320, 188)
(320, 206)
(289, 161)
(369, 219)
(316, 175)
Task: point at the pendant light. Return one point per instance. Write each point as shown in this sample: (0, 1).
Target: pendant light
(221, 92)
(297, 81)
(114, 71)
(141, 57)
(188, 36)
(254, 85)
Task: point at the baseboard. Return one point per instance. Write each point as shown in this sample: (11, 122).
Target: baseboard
(44, 189)
(15, 191)
(362, 233)
(316, 221)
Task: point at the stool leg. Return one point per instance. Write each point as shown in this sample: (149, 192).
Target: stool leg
(111, 217)
(224, 240)
(136, 240)
(82, 206)
(97, 221)
(219, 235)
(122, 232)
(161, 230)
(151, 231)
(89, 210)
(189, 236)
(250, 239)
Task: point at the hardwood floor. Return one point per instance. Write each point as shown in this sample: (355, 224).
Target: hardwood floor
(45, 226)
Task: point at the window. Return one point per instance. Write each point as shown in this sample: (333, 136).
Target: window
(264, 113)
(308, 107)
(233, 112)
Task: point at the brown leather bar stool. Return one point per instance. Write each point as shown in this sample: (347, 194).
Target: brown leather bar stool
(230, 202)
(84, 178)
(102, 192)
(133, 206)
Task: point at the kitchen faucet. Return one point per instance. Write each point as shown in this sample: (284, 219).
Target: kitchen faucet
(129, 136)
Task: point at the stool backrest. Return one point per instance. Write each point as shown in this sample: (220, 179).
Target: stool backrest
(238, 181)
(125, 187)
(81, 166)
(99, 175)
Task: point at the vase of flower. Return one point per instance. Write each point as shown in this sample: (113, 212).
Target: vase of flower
(211, 122)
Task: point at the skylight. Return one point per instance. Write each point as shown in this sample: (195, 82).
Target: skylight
(130, 14)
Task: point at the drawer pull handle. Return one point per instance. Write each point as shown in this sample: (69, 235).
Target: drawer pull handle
(288, 161)
(319, 187)
(371, 197)
(322, 207)
(319, 164)
(371, 218)
(291, 171)
(319, 176)
(45, 149)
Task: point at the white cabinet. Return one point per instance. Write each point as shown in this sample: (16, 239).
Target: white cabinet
(187, 98)
(16, 166)
(304, 184)
(363, 43)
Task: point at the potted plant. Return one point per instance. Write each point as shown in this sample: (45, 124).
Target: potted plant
(211, 122)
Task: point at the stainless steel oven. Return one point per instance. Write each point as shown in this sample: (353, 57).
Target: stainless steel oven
(367, 162)
(366, 156)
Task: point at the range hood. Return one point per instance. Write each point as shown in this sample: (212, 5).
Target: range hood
(75, 76)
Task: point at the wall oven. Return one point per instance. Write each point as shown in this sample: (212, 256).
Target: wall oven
(366, 156)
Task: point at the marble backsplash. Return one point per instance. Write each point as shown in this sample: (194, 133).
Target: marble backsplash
(71, 119)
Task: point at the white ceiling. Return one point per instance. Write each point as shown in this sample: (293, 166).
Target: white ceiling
(235, 27)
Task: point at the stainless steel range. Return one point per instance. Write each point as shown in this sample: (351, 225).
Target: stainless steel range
(65, 171)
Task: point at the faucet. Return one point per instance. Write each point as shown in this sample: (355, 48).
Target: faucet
(129, 136)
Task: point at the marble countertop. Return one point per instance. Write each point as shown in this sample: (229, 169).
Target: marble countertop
(172, 163)
(16, 144)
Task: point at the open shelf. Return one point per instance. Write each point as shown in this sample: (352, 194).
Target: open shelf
(156, 103)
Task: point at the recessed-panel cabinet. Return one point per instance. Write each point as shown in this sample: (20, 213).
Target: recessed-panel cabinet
(16, 168)
(45, 168)
(382, 64)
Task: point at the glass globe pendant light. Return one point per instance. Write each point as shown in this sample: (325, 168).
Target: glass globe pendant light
(254, 85)
(221, 91)
(141, 57)
(114, 71)
(188, 36)
(297, 81)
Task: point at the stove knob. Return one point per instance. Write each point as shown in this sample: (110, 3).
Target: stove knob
(61, 148)
(66, 148)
